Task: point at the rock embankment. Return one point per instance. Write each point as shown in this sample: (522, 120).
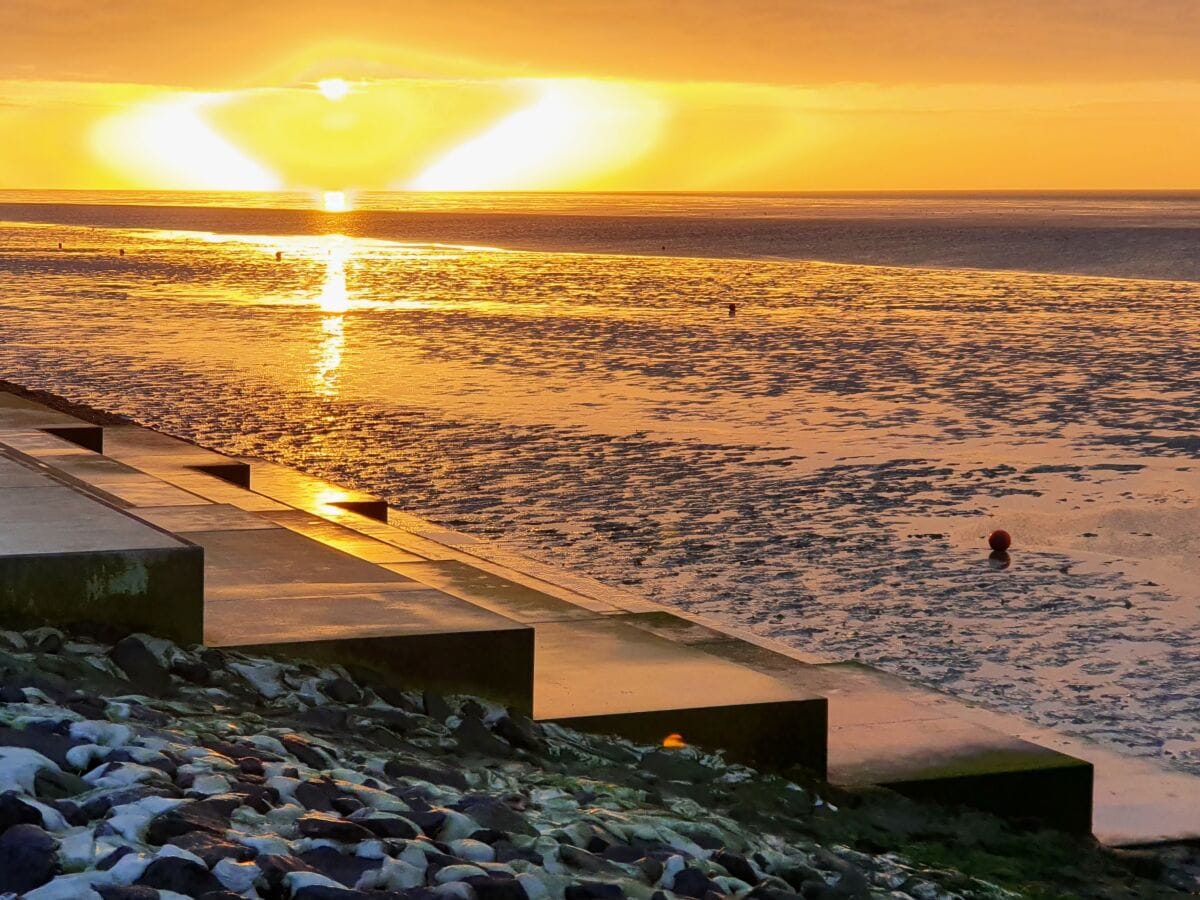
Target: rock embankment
(143, 770)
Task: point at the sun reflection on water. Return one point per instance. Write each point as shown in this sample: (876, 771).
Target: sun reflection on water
(329, 356)
(334, 299)
(334, 296)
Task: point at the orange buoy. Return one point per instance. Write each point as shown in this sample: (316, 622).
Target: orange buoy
(999, 540)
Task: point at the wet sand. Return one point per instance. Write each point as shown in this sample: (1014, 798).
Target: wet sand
(822, 467)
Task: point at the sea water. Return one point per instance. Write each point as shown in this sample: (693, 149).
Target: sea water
(821, 466)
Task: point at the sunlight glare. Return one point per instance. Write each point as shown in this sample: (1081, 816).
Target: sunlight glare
(334, 201)
(335, 298)
(334, 89)
(168, 141)
(329, 356)
(575, 131)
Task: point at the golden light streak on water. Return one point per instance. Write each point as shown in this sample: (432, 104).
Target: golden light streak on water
(329, 360)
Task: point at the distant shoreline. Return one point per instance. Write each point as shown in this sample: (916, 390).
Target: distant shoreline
(1062, 245)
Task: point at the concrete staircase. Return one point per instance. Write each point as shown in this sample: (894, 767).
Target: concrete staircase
(293, 564)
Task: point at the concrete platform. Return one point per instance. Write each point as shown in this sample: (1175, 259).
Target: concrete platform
(603, 659)
(342, 537)
(301, 566)
(603, 675)
(879, 735)
(275, 590)
(638, 684)
(251, 582)
(67, 555)
(21, 414)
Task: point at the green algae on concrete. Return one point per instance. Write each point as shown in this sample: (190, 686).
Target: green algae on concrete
(1029, 784)
(156, 590)
(773, 736)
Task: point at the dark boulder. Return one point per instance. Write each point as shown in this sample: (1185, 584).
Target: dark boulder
(325, 892)
(210, 815)
(239, 750)
(435, 706)
(496, 887)
(770, 893)
(341, 867)
(694, 883)
(70, 810)
(275, 866)
(258, 797)
(342, 690)
(323, 825)
(192, 670)
(506, 851)
(211, 848)
(126, 892)
(347, 805)
(328, 719)
(96, 807)
(589, 863)
(183, 876)
(250, 765)
(674, 767)
(594, 890)
(28, 858)
(44, 738)
(521, 732)
(139, 712)
(429, 821)
(141, 666)
(622, 853)
(10, 693)
(474, 737)
(113, 858)
(15, 811)
(488, 836)
(308, 752)
(47, 640)
(389, 826)
(88, 707)
(396, 768)
(162, 762)
(735, 865)
(492, 813)
(319, 794)
(396, 720)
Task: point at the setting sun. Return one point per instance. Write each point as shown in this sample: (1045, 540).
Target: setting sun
(334, 201)
(333, 88)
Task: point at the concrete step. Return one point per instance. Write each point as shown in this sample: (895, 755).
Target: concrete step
(65, 554)
(605, 659)
(302, 566)
(250, 583)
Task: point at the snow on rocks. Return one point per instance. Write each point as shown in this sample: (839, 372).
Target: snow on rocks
(19, 768)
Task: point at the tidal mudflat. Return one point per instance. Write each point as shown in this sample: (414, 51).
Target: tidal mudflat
(821, 466)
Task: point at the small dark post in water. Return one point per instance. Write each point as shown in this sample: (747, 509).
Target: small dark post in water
(732, 309)
(60, 245)
(121, 252)
(278, 255)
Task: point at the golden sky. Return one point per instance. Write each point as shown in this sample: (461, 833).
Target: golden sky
(614, 95)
